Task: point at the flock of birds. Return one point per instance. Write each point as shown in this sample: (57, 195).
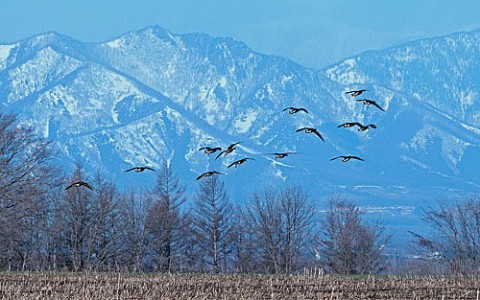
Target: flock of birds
(278, 155)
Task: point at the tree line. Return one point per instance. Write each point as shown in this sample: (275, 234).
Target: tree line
(44, 227)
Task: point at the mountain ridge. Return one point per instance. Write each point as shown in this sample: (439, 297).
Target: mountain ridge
(150, 95)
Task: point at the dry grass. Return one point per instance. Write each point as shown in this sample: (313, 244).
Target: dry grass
(131, 286)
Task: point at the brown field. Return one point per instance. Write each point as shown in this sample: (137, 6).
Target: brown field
(155, 286)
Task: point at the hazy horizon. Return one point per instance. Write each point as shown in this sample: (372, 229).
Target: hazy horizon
(312, 33)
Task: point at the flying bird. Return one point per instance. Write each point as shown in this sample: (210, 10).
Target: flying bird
(294, 110)
(78, 184)
(239, 162)
(346, 158)
(360, 126)
(208, 174)
(355, 93)
(311, 130)
(139, 169)
(368, 102)
(281, 154)
(365, 127)
(349, 124)
(229, 150)
(208, 150)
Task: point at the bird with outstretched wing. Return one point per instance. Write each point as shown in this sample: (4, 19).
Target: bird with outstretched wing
(346, 158)
(208, 174)
(79, 184)
(311, 130)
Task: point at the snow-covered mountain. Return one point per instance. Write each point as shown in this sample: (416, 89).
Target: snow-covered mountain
(152, 95)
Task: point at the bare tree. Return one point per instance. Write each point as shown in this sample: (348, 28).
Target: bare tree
(165, 220)
(283, 223)
(76, 218)
(26, 178)
(105, 231)
(348, 245)
(244, 254)
(133, 248)
(456, 235)
(212, 213)
(191, 253)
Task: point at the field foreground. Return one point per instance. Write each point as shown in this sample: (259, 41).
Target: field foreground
(155, 286)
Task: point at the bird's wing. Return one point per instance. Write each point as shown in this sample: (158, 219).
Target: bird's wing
(350, 92)
(348, 124)
(219, 154)
(378, 106)
(200, 176)
(68, 187)
(359, 92)
(86, 185)
(356, 157)
(233, 145)
(151, 169)
(232, 164)
(336, 157)
(372, 125)
(301, 129)
(202, 148)
(319, 135)
(131, 169)
(303, 110)
(286, 108)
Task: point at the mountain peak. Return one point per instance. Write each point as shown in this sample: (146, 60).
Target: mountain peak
(156, 31)
(51, 38)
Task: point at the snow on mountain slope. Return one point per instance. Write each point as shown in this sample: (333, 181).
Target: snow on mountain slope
(151, 95)
(442, 72)
(438, 77)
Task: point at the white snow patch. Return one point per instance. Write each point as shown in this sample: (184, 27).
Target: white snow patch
(278, 174)
(388, 98)
(270, 91)
(345, 73)
(406, 55)
(245, 120)
(223, 82)
(415, 162)
(286, 79)
(278, 163)
(471, 128)
(421, 138)
(181, 124)
(118, 43)
(212, 110)
(248, 150)
(417, 96)
(467, 98)
(4, 53)
(390, 210)
(350, 62)
(366, 187)
(452, 150)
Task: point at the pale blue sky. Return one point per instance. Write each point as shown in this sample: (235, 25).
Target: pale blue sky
(312, 32)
